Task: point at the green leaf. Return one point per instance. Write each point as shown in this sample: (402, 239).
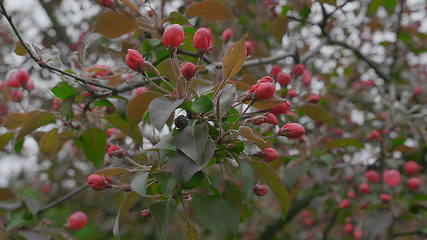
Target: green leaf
(183, 168)
(194, 181)
(177, 18)
(192, 141)
(49, 144)
(273, 181)
(127, 202)
(94, 141)
(162, 213)
(232, 193)
(249, 180)
(165, 143)
(5, 139)
(67, 108)
(216, 214)
(202, 104)
(160, 110)
(317, 113)
(139, 183)
(36, 121)
(166, 182)
(63, 90)
(344, 142)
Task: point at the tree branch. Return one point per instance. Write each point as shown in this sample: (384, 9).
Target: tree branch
(59, 29)
(62, 199)
(396, 43)
(330, 225)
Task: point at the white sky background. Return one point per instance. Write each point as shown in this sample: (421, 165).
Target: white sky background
(37, 19)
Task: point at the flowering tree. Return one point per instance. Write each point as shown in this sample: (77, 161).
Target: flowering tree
(219, 120)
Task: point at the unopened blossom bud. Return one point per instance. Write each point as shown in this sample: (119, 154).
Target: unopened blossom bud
(414, 183)
(269, 154)
(385, 198)
(227, 35)
(265, 79)
(276, 69)
(134, 60)
(344, 204)
(313, 99)
(283, 78)
(292, 93)
(106, 3)
(139, 91)
(299, 69)
(263, 90)
(411, 167)
(116, 151)
(77, 221)
(173, 36)
(364, 188)
(271, 118)
(260, 190)
(292, 130)
(16, 95)
(188, 70)
(281, 108)
(372, 176)
(98, 182)
(391, 177)
(203, 40)
(249, 48)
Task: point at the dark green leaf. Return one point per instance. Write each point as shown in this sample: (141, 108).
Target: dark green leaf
(166, 182)
(94, 142)
(344, 142)
(249, 180)
(67, 108)
(139, 183)
(202, 104)
(192, 141)
(160, 110)
(162, 213)
(63, 90)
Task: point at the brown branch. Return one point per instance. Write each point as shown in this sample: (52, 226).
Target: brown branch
(396, 43)
(330, 225)
(62, 199)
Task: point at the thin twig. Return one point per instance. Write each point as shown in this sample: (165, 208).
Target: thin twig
(62, 199)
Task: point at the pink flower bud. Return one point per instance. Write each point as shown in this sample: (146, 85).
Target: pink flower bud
(249, 48)
(372, 176)
(385, 198)
(344, 204)
(134, 60)
(227, 35)
(351, 195)
(306, 78)
(374, 135)
(188, 70)
(77, 221)
(265, 79)
(173, 36)
(411, 167)
(203, 40)
(116, 151)
(16, 95)
(418, 90)
(292, 130)
(349, 228)
(260, 190)
(391, 177)
(276, 69)
(269, 154)
(313, 99)
(283, 78)
(106, 3)
(111, 131)
(292, 93)
(14, 81)
(414, 183)
(29, 86)
(364, 188)
(263, 90)
(139, 91)
(98, 182)
(281, 108)
(22, 76)
(299, 69)
(145, 213)
(358, 234)
(271, 118)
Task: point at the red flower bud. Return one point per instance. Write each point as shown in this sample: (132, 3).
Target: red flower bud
(227, 35)
(16, 95)
(351, 195)
(418, 90)
(134, 60)
(260, 190)
(145, 213)
(265, 79)
(14, 80)
(306, 78)
(276, 69)
(77, 221)
(139, 91)
(203, 40)
(344, 204)
(263, 90)
(173, 36)
(283, 78)
(116, 151)
(106, 3)
(281, 108)
(411, 167)
(188, 70)
(292, 93)
(364, 188)
(414, 183)
(358, 234)
(374, 135)
(249, 48)
(271, 118)
(385, 198)
(313, 99)
(29, 86)
(22, 76)
(349, 228)
(257, 120)
(98, 182)
(292, 130)
(299, 69)
(111, 131)
(372, 176)
(269, 154)
(391, 177)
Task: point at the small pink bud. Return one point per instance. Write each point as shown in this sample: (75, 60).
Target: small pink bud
(391, 177)
(364, 188)
(145, 213)
(281, 108)
(106, 3)
(292, 130)
(314, 99)
(116, 151)
(29, 86)
(385, 198)
(173, 36)
(269, 154)
(16, 95)
(349, 228)
(411, 167)
(263, 90)
(77, 221)
(306, 78)
(111, 131)
(271, 118)
(351, 195)
(283, 78)
(358, 234)
(134, 60)
(292, 93)
(188, 70)
(276, 69)
(265, 79)
(299, 69)
(260, 190)
(227, 35)
(139, 91)
(98, 182)
(414, 183)
(249, 48)
(374, 135)
(372, 176)
(344, 204)
(203, 40)
(418, 90)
